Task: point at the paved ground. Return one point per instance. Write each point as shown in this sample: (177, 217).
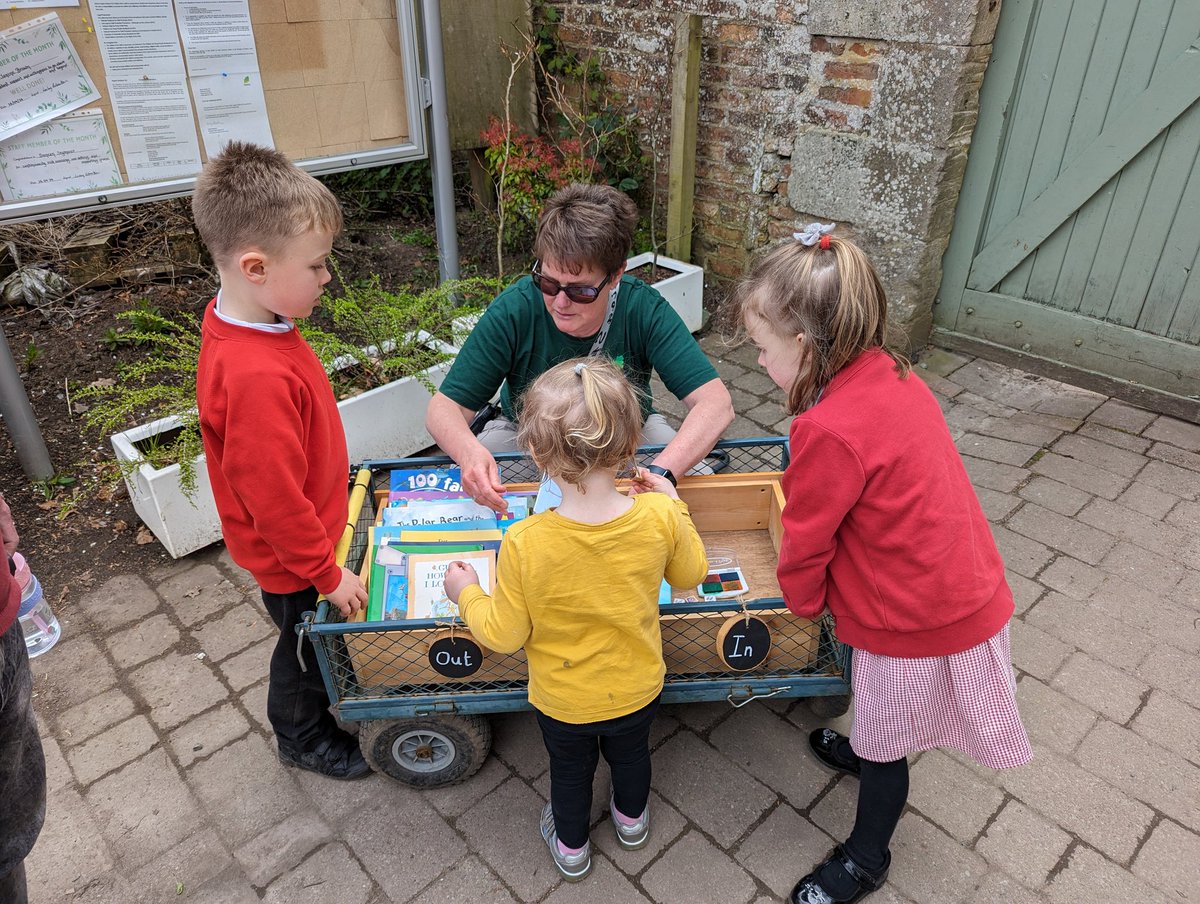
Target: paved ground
(164, 785)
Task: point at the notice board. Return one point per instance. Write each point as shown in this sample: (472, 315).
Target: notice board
(113, 101)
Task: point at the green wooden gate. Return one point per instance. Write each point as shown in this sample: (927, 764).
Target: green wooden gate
(1075, 241)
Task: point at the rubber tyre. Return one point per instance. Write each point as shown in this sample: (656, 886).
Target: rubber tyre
(427, 751)
(829, 707)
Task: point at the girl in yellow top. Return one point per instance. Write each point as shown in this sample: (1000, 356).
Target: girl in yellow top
(577, 587)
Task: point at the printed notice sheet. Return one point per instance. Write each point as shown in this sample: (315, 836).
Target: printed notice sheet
(154, 120)
(137, 38)
(231, 107)
(71, 153)
(41, 76)
(217, 37)
(37, 4)
(147, 82)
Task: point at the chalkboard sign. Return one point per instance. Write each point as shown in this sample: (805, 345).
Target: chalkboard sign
(744, 642)
(455, 655)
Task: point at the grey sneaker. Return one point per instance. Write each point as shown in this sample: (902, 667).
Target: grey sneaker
(631, 837)
(572, 866)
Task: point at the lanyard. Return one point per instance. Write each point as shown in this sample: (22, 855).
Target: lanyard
(598, 343)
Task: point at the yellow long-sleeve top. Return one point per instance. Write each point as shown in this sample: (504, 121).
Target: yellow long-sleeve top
(582, 599)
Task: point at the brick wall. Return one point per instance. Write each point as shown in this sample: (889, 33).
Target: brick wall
(831, 110)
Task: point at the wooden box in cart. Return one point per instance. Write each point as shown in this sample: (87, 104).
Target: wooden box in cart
(739, 512)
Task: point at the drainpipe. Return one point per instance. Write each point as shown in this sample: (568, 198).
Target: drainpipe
(439, 131)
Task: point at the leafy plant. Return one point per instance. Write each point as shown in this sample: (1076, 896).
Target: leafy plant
(144, 318)
(397, 188)
(160, 383)
(50, 486)
(379, 335)
(32, 353)
(528, 169)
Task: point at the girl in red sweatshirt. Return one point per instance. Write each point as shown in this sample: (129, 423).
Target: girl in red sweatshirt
(883, 528)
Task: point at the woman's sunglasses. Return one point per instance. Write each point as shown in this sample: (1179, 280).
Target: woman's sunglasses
(578, 294)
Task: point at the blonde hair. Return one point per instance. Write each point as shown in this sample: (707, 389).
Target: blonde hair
(586, 225)
(831, 298)
(578, 417)
(252, 196)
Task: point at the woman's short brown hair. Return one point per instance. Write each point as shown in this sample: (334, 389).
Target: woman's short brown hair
(250, 196)
(578, 417)
(586, 225)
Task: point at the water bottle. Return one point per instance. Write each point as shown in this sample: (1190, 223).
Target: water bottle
(38, 621)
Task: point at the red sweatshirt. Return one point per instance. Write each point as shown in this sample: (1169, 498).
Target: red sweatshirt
(882, 524)
(276, 454)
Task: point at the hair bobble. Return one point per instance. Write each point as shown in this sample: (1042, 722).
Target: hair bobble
(815, 233)
(579, 369)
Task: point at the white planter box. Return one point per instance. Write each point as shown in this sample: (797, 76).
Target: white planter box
(181, 524)
(684, 290)
(387, 422)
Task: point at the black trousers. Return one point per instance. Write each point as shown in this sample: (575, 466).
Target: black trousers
(22, 767)
(297, 703)
(574, 753)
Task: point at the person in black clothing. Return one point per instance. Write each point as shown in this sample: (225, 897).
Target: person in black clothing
(22, 765)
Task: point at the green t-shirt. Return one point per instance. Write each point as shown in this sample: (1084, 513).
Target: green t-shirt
(516, 340)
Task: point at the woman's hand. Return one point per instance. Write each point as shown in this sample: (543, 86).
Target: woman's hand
(481, 478)
(459, 576)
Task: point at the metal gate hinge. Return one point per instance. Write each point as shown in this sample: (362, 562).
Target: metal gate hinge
(426, 93)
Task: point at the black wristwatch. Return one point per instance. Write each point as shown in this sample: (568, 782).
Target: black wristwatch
(663, 472)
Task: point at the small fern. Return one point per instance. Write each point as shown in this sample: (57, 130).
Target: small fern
(160, 383)
(379, 335)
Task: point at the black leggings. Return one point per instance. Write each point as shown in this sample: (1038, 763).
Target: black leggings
(882, 793)
(575, 750)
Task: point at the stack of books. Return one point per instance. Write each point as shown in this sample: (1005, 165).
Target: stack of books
(428, 523)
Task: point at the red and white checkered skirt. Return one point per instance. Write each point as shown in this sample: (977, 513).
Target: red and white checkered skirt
(966, 701)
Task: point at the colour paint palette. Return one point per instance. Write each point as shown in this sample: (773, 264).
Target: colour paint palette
(724, 583)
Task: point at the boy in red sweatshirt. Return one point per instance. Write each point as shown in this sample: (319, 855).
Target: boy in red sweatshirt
(272, 433)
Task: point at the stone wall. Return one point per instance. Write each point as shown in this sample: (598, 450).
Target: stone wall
(831, 110)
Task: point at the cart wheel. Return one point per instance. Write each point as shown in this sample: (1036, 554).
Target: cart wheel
(427, 751)
(829, 707)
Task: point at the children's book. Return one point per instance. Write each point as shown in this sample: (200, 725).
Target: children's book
(426, 483)
(387, 591)
(452, 510)
(436, 511)
(427, 580)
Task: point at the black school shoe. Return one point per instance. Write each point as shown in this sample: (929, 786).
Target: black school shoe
(810, 891)
(338, 756)
(834, 751)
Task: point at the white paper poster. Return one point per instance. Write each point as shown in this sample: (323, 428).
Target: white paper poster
(217, 37)
(38, 4)
(71, 153)
(231, 107)
(154, 120)
(137, 37)
(41, 76)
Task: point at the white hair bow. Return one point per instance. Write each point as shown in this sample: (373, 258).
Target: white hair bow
(811, 234)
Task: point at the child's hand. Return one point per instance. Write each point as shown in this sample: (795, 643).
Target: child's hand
(459, 576)
(350, 595)
(647, 482)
